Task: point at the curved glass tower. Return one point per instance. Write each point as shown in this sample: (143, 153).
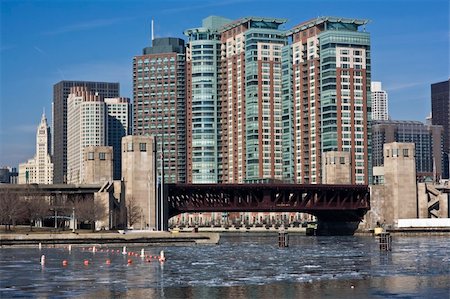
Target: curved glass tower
(203, 134)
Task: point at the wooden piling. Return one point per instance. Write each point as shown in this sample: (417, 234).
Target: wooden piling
(385, 241)
(283, 238)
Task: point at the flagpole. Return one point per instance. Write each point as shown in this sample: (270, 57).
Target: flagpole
(162, 185)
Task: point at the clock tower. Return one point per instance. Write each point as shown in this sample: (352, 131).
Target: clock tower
(39, 169)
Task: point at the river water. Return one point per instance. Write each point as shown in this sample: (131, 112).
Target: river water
(241, 266)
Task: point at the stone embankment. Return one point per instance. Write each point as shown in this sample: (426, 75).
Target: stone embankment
(134, 237)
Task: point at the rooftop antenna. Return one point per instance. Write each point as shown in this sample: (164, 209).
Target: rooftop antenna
(152, 33)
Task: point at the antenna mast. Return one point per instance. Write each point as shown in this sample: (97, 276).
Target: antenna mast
(152, 32)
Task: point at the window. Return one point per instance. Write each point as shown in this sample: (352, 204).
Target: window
(102, 156)
(130, 146)
(91, 156)
(342, 160)
(395, 152)
(143, 147)
(405, 152)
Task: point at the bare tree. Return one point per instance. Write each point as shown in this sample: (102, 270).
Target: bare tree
(90, 210)
(35, 208)
(11, 208)
(134, 212)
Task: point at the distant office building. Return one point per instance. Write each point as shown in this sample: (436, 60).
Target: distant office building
(427, 140)
(440, 110)
(39, 169)
(61, 91)
(86, 113)
(326, 107)
(159, 102)
(203, 135)
(118, 126)
(8, 175)
(379, 102)
(4, 175)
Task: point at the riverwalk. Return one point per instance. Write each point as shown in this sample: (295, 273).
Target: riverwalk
(125, 237)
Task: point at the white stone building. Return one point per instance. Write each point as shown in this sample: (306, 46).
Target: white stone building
(86, 113)
(379, 102)
(39, 169)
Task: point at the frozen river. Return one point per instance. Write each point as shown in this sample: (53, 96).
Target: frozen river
(241, 266)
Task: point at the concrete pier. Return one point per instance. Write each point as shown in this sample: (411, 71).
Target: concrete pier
(140, 237)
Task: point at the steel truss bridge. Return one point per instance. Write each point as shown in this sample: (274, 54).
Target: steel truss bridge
(338, 208)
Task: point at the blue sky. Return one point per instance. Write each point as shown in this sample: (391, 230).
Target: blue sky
(44, 42)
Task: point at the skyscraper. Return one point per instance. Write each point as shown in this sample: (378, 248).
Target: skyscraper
(202, 101)
(86, 113)
(379, 102)
(39, 169)
(440, 110)
(118, 126)
(61, 91)
(427, 139)
(329, 108)
(251, 102)
(159, 102)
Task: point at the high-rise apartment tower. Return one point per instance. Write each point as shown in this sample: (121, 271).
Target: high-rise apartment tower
(329, 107)
(379, 102)
(202, 101)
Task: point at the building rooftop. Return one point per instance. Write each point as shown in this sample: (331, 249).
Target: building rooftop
(320, 20)
(398, 122)
(244, 20)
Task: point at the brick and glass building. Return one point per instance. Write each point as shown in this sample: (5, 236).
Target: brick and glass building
(329, 106)
(61, 91)
(159, 102)
(251, 100)
(440, 110)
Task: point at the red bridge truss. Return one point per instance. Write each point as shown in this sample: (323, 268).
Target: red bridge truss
(327, 202)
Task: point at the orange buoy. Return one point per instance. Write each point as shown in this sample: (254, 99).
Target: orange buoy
(86, 262)
(65, 263)
(108, 261)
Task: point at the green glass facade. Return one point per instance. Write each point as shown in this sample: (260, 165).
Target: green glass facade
(203, 63)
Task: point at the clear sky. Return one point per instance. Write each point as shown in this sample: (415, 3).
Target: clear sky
(44, 42)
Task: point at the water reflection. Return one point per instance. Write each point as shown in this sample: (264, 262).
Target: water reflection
(245, 265)
(376, 287)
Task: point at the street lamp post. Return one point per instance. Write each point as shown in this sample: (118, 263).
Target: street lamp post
(56, 219)
(73, 219)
